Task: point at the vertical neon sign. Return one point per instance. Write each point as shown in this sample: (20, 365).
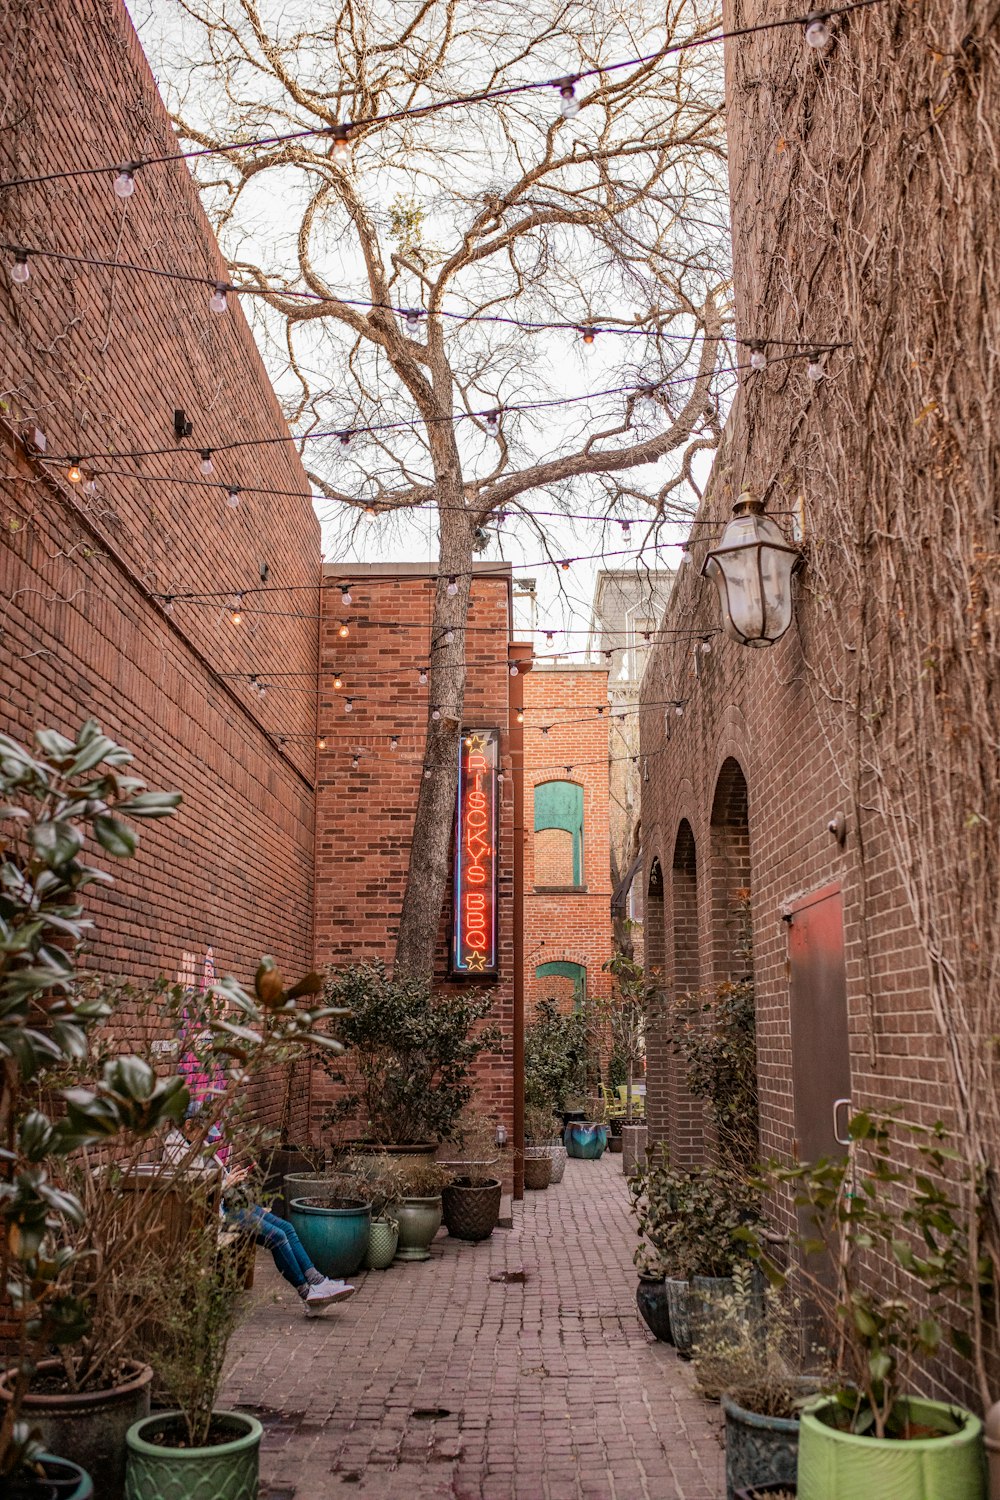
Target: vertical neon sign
(474, 926)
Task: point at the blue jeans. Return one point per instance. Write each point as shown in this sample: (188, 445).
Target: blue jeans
(279, 1237)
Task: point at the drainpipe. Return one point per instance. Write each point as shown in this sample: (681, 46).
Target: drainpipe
(521, 652)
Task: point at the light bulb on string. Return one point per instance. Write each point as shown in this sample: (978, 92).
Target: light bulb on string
(520, 716)
(513, 669)
(468, 742)
(411, 320)
(348, 705)
(394, 742)
(758, 356)
(588, 334)
(449, 636)
(345, 442)
(427, 773)
(125, 181)
(545, 728)
(236, 613)
(570, 104)
(168, 604)
(321, 743)
(685, 553)
(20, 271)
(343, 630)
(565, 566)
(74, 473)
(90, 485)
(817, 32)
(232, 497)
(679, 710)
(814, 369)
(705, 647)
(435, 713)
(626, 529)
(492, 424)
(338, 681)
(217, 302)
(452, 588)
(206, 465)
(355, 761)
(422, 677)
(549, 637)
(345, 594)
(341, 142)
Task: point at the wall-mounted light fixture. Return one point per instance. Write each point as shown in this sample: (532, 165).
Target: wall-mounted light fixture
(752, 569)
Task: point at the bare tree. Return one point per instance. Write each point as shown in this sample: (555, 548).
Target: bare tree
(480, 218)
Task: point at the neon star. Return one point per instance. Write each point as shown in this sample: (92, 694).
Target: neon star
(476, 962)
(477, 742)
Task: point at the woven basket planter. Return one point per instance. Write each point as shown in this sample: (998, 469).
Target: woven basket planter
(537, 1167)
(471, 1210)
(559, 1156)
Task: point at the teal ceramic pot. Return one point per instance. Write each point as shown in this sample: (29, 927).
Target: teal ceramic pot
(63, 1481)
(335, 1235)
(227, 1471)
(759, 1450)
(835, 1465)
(585, 1142)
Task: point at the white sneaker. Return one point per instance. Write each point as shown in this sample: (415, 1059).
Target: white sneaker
(335, 1290)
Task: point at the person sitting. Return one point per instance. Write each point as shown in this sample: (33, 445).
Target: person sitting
(276, 1234)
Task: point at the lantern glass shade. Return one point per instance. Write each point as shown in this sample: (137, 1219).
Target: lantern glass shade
(752, 569)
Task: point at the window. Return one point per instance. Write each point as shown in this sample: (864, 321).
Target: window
(569, 981)
(558, 834)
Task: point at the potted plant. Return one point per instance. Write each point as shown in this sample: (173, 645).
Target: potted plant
(50, 800)
(900, 1194)
(696, 1222)
(557, 1059)
(749, 1352)
(409, 1057)
(419, 1212)
(538, 1129)
(651, 1293)
(587, 1139)
(335, 1231)
(471, 1201)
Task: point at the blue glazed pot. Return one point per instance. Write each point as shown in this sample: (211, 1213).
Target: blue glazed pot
(585, 1142)
(335, 1235)
(65, 1480)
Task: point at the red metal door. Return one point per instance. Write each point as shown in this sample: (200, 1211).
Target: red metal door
(821, 1059)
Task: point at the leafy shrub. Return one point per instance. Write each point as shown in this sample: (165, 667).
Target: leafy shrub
(556, 1056)
(695, 1220)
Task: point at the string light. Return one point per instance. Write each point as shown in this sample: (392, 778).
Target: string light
(492, 424)
(422, 677)
(685, 553)
(452, 588)
(435, 713)
(74, 473)
(232, 497)
(588, 333)
(570, 105)
(236, 613)
(344, 438)
(394, 742)
(411, 320)
(449, 636)
(549, 638)
(345, 594)
(565, 566)
(321, 744)
(20, 271)
(338, 681)
(125, 181)
(705, 646)
(758, 356)
(348, 705)
(217, 302)
(355, 761)
(520, 716)
(427, 773)
(343, 630)
(817, 32)
(206, 465)
(90, 485)
(341, 141)
(513, 669)
(814, 369)
(168, 604)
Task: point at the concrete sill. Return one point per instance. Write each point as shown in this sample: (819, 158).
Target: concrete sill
(560, 890)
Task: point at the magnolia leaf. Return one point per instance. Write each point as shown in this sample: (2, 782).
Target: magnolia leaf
(115, 836)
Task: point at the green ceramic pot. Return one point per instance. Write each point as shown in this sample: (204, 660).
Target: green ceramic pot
(334, 1235)
(228, 1471)
(835, 1465)
(419, 1221)
(382, 1244)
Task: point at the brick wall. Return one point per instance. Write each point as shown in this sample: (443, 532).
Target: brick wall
(99, 360)
(565, 924)
(364, 815)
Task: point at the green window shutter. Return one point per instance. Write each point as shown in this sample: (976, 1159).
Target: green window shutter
(559, 804)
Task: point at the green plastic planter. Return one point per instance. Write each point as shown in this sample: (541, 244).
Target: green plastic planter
(229, 1471)
(835, 1465)
(334, 1236)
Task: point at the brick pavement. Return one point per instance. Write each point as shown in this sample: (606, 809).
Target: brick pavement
(553, 1389)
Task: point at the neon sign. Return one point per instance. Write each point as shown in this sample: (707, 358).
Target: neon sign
(474, 925)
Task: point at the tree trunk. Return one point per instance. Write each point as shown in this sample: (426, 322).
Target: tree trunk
(430, 852)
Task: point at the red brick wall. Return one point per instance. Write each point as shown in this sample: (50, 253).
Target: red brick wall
(364, 816)
(99, 360)
(569, 925)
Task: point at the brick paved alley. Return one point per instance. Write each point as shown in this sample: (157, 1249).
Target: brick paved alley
(552, 1388)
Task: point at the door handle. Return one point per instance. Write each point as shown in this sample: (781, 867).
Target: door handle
(838, 1105)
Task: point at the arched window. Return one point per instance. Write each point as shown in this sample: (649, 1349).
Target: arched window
(558, 834)
(570, 981)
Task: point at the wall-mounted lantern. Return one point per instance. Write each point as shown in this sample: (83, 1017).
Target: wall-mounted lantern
(752, 568)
